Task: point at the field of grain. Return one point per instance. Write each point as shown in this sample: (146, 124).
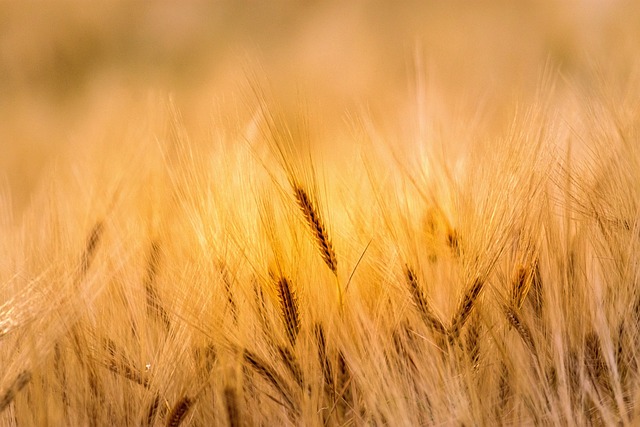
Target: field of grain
(320, 213)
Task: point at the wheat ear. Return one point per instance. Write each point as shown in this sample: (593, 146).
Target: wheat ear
(345, 399)
(90, 248)
(152, 410)
(292, 365)
(18, 384)
(231, 404)
(523, 330)
(315, 223)
(521, 286)
(154, 305)
(120, 364)
(325, 363)
(472, 344)
(179, 412)
(421, 303)
(271, 377)
(289, 307)
(466, 307)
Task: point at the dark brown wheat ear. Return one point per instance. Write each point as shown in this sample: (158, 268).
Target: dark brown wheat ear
(179, 411)
(526, 282)
(317, 227)
(231, 405)
(289, 308)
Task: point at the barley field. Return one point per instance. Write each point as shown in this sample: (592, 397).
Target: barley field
(320, 213)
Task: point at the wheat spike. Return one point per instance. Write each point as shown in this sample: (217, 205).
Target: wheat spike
(12, 391)
(152, 410)
(523, 330)
(421, 303)
(90, 247)
(521, 286)
(317, 228)
(271, 377)
(289, 307)
(179, 412)
(472, 344)
(325, 363)
(292, 365)
(154, 304)
(466, 307)
(231, 406)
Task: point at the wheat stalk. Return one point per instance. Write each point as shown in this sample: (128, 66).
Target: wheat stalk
(120, 364)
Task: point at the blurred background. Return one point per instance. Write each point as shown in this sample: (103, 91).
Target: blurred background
(71, 71)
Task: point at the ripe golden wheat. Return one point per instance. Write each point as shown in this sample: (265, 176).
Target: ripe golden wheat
(419, 268)
(510, 298)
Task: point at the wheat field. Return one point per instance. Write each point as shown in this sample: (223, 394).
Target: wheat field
(320, 214)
